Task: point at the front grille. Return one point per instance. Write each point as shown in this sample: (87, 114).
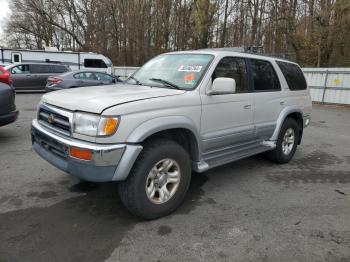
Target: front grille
(54, 120)
(50, 144)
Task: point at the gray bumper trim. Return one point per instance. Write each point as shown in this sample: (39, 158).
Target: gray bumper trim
(109, 163)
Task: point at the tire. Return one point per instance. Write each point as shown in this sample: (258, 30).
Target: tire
(155, 155)
(280, 155)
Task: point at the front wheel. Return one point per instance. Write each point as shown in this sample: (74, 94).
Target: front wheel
(159, 180)
(286, 143)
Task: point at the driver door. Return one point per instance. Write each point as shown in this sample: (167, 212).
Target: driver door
(21, 77)
(227, 119)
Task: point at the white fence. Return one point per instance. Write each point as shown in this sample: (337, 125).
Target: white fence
(327, 85)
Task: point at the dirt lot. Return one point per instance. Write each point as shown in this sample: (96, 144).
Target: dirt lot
(251, 210)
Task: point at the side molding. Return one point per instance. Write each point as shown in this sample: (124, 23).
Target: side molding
(126, 163)
(283, 115)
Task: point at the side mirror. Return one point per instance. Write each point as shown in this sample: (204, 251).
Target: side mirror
(223, 85)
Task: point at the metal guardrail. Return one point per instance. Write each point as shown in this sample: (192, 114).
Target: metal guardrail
(327, 85)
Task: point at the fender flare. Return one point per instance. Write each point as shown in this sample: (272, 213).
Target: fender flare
(283, 115)
(155, 125)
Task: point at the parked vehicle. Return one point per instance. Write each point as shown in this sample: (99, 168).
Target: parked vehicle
(180, 112)
(79, 79)
(33, 76)
(75, 60)
(5, 76)
(8, 111)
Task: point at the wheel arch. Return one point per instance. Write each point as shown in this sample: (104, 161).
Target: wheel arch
(289, 112)
(179, 128)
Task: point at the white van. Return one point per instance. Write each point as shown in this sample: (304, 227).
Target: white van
(75, 60)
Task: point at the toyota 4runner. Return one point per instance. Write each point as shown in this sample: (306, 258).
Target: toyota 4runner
(180, 112)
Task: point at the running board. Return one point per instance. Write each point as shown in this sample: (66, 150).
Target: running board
(226, 156)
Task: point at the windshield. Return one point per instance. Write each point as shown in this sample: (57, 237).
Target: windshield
(180, 71)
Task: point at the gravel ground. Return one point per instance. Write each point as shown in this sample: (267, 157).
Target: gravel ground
(250, 210)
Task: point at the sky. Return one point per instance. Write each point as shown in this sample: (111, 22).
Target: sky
(4, 14)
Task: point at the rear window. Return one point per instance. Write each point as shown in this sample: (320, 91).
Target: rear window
(94, 63)
(293, 75)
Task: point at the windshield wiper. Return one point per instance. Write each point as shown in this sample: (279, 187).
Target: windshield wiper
(137, 81)
(167, 83)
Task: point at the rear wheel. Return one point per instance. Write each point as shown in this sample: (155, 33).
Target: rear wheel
(286, 143)
(159, 180)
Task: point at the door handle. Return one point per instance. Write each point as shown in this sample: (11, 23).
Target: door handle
(247, 107)
(282, 103)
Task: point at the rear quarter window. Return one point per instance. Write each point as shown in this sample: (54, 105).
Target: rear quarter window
(293, 75)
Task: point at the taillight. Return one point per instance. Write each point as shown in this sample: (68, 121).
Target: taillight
(5, 77)
(55, 80)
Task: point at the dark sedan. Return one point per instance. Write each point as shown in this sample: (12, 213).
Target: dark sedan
(8, 111)
(79, 79)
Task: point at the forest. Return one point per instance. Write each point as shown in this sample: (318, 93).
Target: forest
(314, 33)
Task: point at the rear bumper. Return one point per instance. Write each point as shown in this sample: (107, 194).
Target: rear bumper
(109, 162)
(8, 118)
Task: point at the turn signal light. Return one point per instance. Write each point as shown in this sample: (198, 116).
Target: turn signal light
(82, 154)
(109, 126)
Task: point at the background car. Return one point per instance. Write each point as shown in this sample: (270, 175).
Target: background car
(80, 79)
(5, 76)
(8, 111)
(33, 76)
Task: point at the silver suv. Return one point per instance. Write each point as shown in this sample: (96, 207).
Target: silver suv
(180, 112)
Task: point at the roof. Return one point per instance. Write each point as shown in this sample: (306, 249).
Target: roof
(47, 51)
(38, 63)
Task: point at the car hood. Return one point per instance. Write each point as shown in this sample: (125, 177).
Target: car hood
(98, 98)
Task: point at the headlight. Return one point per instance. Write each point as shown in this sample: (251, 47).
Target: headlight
(94, 125)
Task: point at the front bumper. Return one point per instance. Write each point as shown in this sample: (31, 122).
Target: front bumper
(109, 162)
(8, 118)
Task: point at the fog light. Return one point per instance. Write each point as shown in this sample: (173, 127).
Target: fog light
(82, 154)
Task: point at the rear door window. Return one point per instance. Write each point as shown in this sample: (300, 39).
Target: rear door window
(86, 76)
(264, 77)
(293, 75)
(39, 69)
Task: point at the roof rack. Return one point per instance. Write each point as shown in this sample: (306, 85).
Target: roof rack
(256, 50)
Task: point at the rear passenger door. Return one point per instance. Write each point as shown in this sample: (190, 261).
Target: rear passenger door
(39, 75)
(268, 97)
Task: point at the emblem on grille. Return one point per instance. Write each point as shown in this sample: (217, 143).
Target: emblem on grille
(50, 119)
